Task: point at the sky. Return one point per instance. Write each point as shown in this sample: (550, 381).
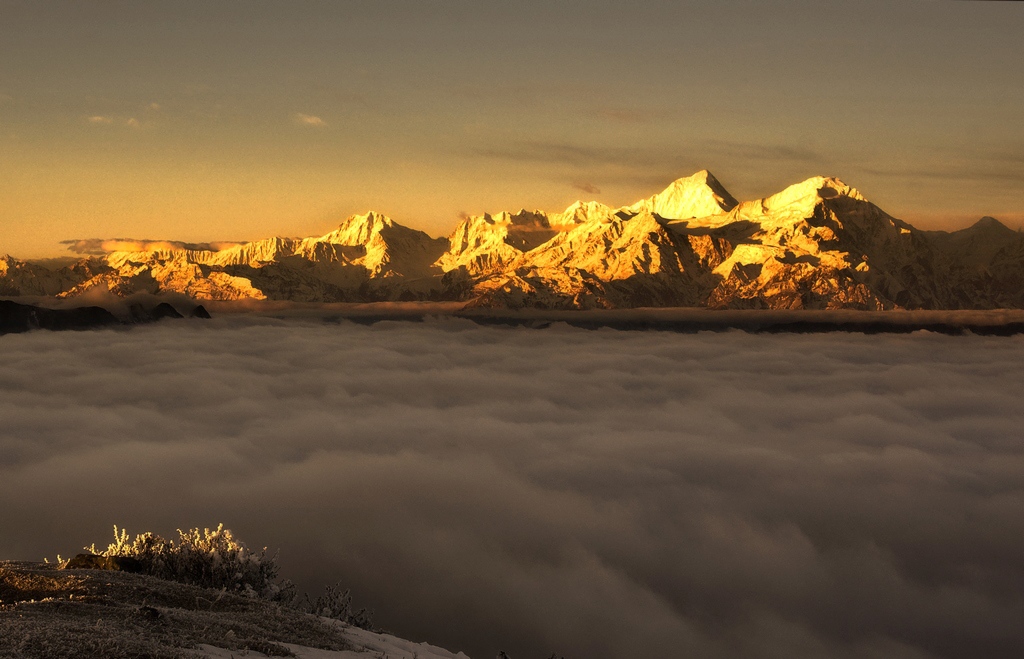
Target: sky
(218, 121)
(598, 494)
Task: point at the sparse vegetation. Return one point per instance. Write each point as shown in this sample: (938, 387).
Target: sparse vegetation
(208, 559)
(337, 604)
(216, 559)
(204, 587)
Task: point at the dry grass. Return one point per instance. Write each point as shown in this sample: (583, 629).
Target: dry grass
(20, 585)
(47, 613)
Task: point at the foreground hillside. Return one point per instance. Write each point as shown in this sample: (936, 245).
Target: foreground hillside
(819, 244)
(48, 613)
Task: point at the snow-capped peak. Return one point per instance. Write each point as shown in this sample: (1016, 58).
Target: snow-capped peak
(699, 195)
(582, 211)
(357, 229)
(810, 192)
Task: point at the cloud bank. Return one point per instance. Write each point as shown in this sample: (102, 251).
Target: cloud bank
(99, 246)
(601, 494)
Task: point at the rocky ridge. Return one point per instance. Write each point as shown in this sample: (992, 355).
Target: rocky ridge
(819, 244)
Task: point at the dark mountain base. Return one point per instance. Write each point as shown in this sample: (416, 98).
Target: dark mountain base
(15, 317)
(670, 319)
(757, 322)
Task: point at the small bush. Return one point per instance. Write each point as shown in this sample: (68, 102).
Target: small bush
(337, 604)
(215, 559)
(208, 559)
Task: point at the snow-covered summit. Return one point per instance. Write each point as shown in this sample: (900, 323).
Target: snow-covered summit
(699, 195)
(486, 243)
(581, 212)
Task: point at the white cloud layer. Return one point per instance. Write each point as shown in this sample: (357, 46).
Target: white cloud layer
(600, 494)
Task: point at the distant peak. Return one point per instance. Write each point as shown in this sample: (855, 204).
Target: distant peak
(370, 217)
(811, 192)
(585, 205)
(697, 195)
(703, 176)
(582, 211)
(357, 229)
(990, 224)
(832, 183)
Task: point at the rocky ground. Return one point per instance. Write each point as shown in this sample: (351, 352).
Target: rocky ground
(50, 613)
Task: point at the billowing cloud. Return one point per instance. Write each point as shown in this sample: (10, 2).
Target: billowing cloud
(600, 494)
(310, 120)
(133, 122)
(99, 246)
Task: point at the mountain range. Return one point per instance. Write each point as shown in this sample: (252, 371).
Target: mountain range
(819, 244)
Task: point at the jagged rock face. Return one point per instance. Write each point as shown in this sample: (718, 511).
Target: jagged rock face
(609, 248)
(22, 278)
(388, 248)
(361, 260)
(818, 244)
(484, 244)
(580, 213)
(543, 289)
(611, 260)
(977, 245)
(985, 262)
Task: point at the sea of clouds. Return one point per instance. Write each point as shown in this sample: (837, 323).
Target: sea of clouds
(600, 494)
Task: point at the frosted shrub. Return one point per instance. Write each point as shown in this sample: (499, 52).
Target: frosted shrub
(210, 559)
(215, 559)
(337, 604)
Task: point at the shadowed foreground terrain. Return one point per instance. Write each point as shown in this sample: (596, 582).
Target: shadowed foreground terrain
(16, 317)
(48, 613)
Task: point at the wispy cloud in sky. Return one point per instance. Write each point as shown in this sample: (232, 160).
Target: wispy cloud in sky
(310, 120)
(100, 120)
(622, 116)
(565, 153)
(589, 188)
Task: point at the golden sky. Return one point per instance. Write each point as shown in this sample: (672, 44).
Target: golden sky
(204, 121)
